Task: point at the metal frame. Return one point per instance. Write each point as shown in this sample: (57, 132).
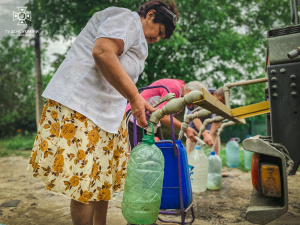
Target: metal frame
(251, 110)
(212, 104)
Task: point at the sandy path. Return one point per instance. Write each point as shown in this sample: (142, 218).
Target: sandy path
(40, 207)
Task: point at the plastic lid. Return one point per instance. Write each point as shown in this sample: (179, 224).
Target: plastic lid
(212, 153)
(149, 139)
(231, 139)
(198, 147)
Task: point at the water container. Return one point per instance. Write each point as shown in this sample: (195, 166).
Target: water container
(214, 177)
(118, 199)
(143, 184)
(198, 164)
(247, 157)
(233, 152)
(170, 198)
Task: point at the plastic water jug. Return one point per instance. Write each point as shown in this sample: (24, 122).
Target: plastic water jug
(143, 184)
(118, 199)
(233, 152)
(214, 177)
(247, 157)
(198, 164)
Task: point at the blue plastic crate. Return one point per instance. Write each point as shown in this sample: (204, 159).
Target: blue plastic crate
(170, 193)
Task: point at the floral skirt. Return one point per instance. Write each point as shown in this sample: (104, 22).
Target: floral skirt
(73, 156)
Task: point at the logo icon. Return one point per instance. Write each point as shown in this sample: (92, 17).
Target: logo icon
(22, 15)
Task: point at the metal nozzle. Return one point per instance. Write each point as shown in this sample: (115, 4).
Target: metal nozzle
(294, 53)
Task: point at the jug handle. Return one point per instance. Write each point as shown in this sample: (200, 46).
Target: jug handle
(152, 129)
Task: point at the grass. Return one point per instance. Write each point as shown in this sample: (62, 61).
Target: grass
(17, 145)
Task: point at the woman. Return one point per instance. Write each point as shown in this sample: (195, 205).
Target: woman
(80, 147)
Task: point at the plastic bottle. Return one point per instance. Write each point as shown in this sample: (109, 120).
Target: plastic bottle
(198, 164)
(214, 177)
(232, 153)
(143, 185)
(118, 199)
(247, 157)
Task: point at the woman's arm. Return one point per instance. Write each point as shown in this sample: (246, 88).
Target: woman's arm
(206, 136)
(190, 132)
(105, 54)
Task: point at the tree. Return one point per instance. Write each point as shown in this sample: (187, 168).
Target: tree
(17, 86)
(215, 41)
(36, 24)
(218, 42)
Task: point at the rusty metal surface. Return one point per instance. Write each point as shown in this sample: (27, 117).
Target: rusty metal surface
(212, 104)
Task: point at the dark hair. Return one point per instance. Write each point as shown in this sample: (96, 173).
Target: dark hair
(162, 13)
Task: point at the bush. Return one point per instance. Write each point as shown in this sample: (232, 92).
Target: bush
(17, 144)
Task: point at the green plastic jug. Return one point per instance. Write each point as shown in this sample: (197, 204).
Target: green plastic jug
(143, 185)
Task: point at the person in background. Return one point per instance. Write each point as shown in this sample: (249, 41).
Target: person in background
(210, 133)
(179, 88)
(80, 149)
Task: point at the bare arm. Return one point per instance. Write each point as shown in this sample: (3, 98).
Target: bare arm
(190, 132)
(213, 129)
(206, 136)
(105, 54)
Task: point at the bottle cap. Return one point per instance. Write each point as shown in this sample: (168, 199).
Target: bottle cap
(198, 147)
(231, 139)
(212, 153)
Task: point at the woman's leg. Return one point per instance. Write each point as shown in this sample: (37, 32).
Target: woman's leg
(100, 212)
(82, 214)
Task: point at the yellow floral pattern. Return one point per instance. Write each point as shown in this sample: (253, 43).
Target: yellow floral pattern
(73, 156)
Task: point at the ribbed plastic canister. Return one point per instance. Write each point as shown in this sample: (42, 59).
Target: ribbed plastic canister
(214, 177)
(143, 185)
(232, 153)
(198, 164)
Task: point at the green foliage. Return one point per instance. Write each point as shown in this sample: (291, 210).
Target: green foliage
(215, 41)
(16, 145)
(218, 42)
(17, 100)
(68, 17)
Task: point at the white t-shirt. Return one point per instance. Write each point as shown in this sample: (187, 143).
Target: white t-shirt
(79, 85)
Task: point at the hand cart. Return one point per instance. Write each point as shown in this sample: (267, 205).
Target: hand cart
(177, 191)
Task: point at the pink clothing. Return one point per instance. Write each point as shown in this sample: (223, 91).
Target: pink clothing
(155, 94)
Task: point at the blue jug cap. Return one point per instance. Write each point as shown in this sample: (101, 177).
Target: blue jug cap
(198, 147)
(212, 153)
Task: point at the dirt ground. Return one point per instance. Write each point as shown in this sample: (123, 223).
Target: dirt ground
(38, 206)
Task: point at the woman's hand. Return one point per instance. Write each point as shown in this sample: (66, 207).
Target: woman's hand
(207, 139)
(138, 107)
(190, 133)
